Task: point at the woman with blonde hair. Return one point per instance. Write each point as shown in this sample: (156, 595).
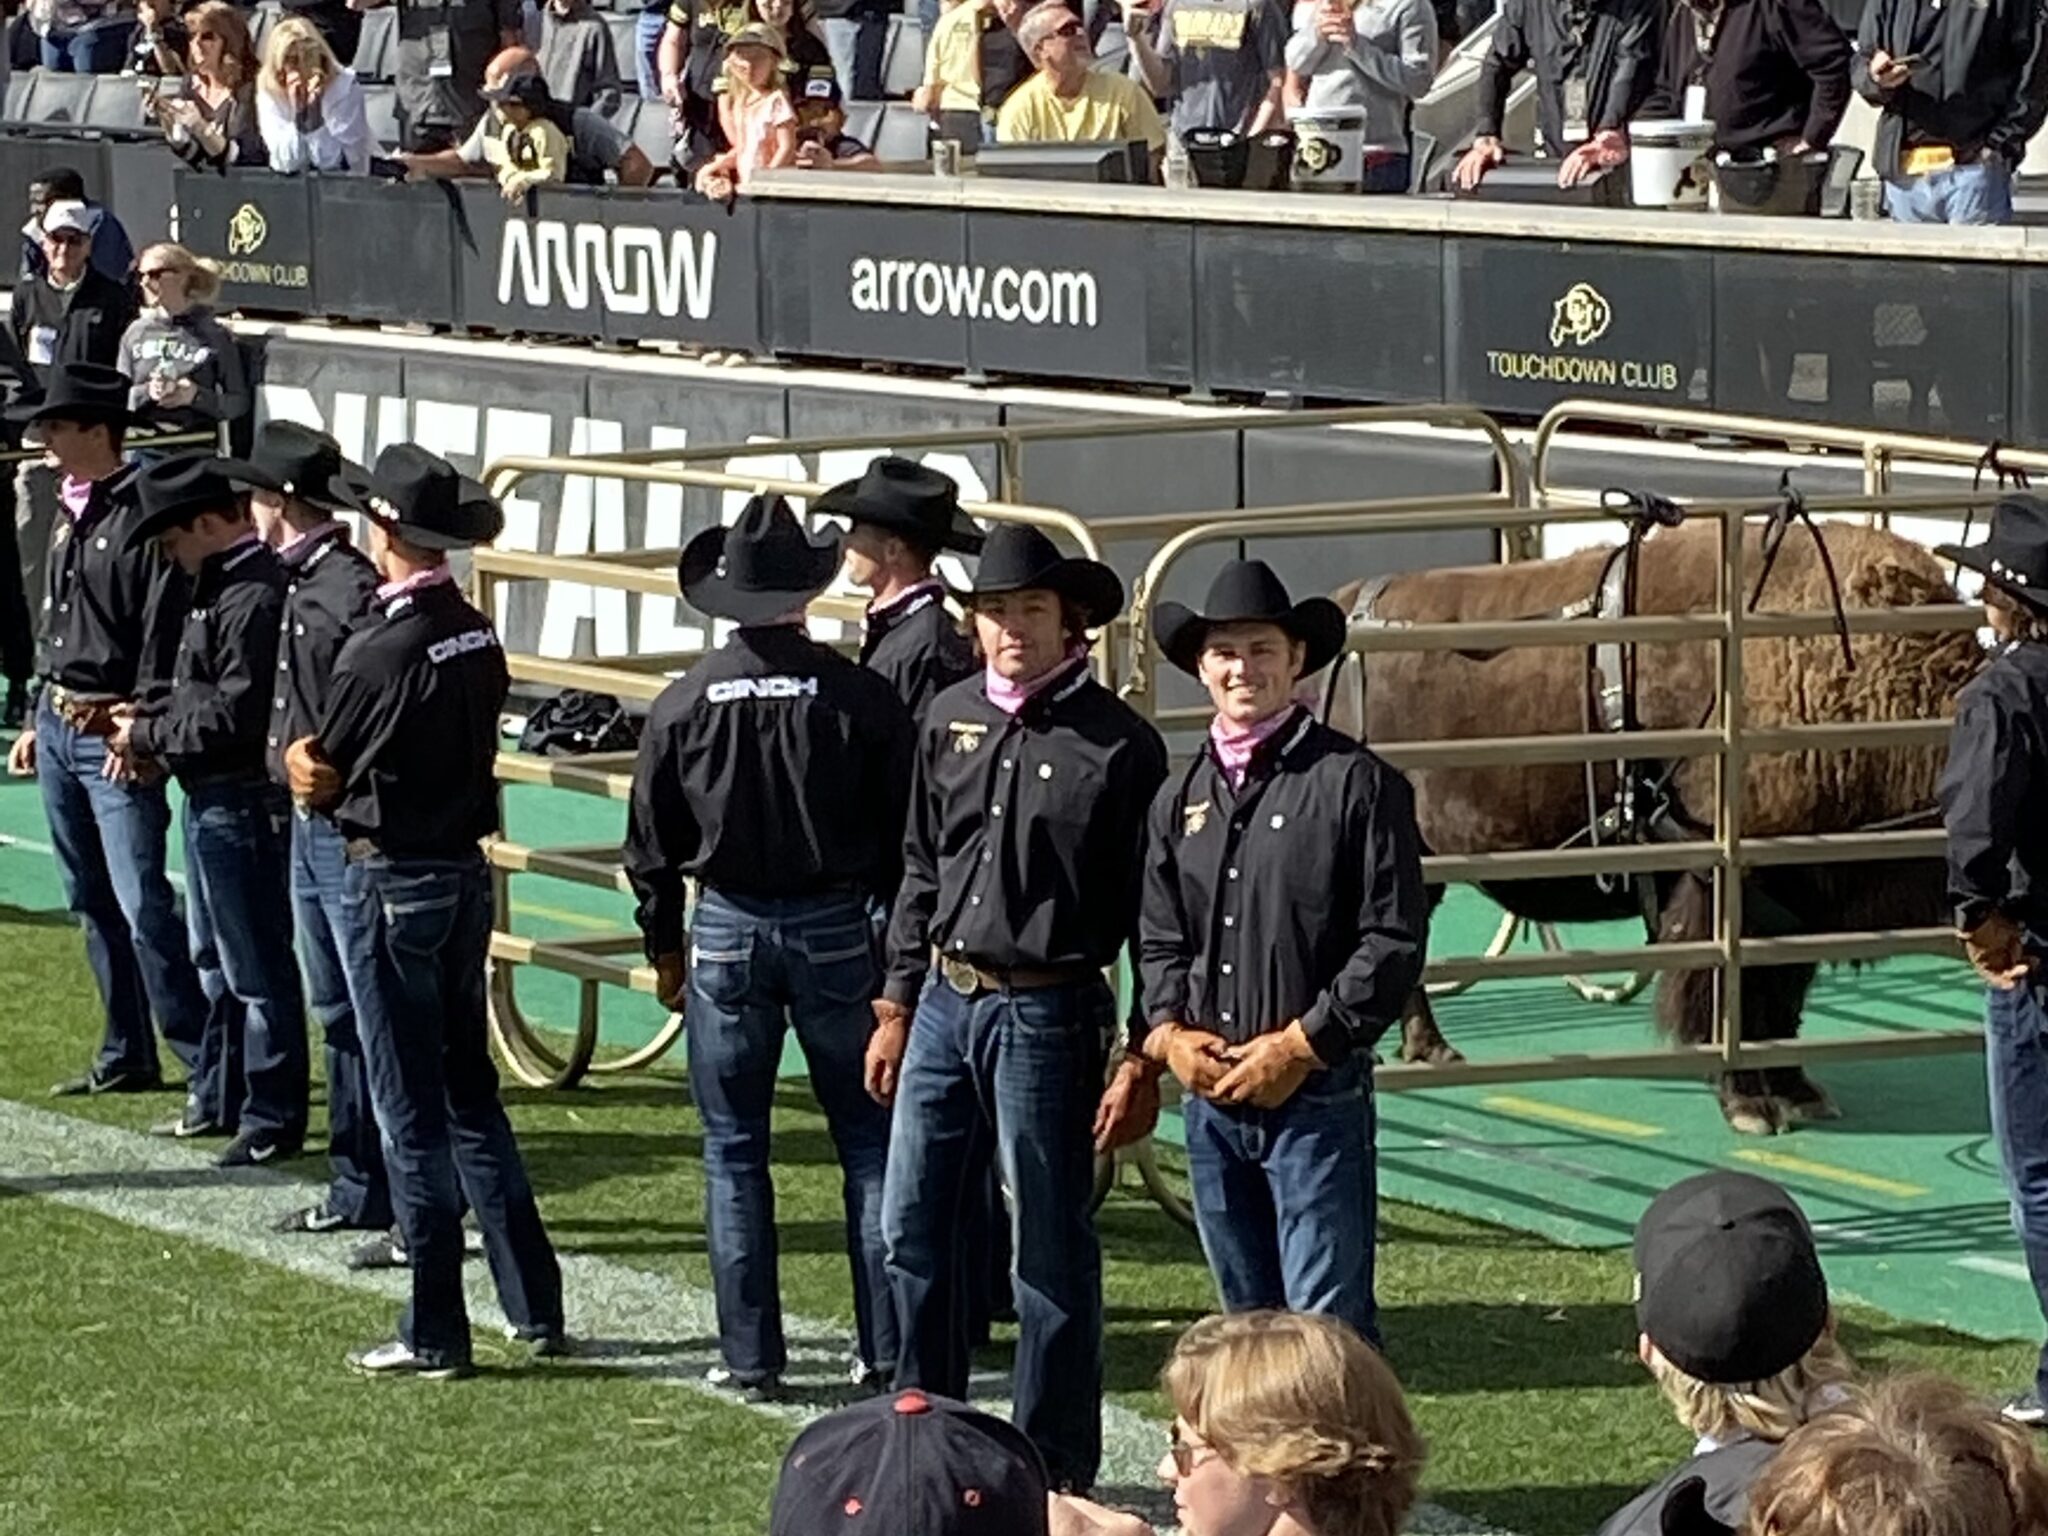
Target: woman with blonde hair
(308, 107)
(755, 113)
(210, 119)
(185, 370)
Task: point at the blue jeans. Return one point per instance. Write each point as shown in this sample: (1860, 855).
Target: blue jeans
(1286, 1199)
(98, 48)
(1016, 1075)
(110, 841)
(253, 1067)
(425, 925)
(757, 966)
(334, 966)
(856, 43)
(2016, 1056)
(1968, 194)
(1387, 175)
(646, 51)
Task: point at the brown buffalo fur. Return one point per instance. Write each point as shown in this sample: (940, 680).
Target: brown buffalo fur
(1445, 696)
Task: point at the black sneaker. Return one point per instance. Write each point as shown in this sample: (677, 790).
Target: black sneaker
(309, 1218)
(2027, 1409)
(748, 1389)
(259, 1149)
(397, 1359)
(383, 1251)
(98, 1082)
(189, 1126)
(545, 1343)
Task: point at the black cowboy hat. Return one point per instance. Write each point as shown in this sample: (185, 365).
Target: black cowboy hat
(2014, 554)
(902, 497)
(175, 489)
(1018, 558)
(420, 497)
(1247, 592)
(82, 392)
(760, 568)
(291, 460)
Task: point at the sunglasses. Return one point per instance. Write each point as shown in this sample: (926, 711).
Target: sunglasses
(157, 274)
(64, 237)
(1068, 29)
(1186, 1457)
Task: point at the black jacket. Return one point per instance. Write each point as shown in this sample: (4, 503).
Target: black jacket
(1615, 53)
(1297, 895)
(1980, 83)
(918, 647)
(774, 767)
(1026, 832)
(1728, 1472)
(83, 326)
(1994, 792)
(329, 588)
(1775, 69)
(111, 614)
(412, 726)
(213, 724)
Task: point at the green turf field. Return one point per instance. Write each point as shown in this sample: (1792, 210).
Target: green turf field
(170, 1367)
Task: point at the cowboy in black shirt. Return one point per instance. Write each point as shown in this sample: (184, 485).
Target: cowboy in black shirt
(110, 622)
(209, 731)
(903, 515)
(329, 587)
(1284, 924)
(1994, 800)
(403, 759)
(775, 774)
(1020, 886)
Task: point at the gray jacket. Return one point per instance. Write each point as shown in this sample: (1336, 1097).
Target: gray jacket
(1387, 68)
(192, 346)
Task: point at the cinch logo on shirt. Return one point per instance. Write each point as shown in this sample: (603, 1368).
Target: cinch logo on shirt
(762, 688)
(461, 645)
(1202, 27)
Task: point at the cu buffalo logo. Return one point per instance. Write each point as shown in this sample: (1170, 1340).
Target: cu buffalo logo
(1581, 317)
(247, 231)
(1317, 155)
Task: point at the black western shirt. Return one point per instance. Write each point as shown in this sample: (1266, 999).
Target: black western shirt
(917, 645)
(775, 767)
(412, 726)
(1026, 832)
(1994, 792)
(110, 613)
(1295, 896)
(212, 725)
(1595, 61)
(330, 586)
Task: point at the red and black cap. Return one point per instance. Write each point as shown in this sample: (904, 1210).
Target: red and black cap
(910, 1464)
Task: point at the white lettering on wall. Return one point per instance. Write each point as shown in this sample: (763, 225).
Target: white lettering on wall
(633, 270)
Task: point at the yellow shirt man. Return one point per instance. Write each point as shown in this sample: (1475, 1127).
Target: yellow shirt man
(952, 59)
(1108, 106)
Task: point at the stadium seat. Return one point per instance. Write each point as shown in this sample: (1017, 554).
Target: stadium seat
(652, 132)
(625, 30)
(864, 121)
(904, 134)
(59, 98)
(903, 57)
(376, 58)
(1113, 50)
(261, 20)
(380, 105)
(117, 105)
(16, 110)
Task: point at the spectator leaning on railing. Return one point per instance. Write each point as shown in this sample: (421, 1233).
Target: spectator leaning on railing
(1768, 74)
(209, 117)
(186, 370)
(691, 60)
(753, 113)
(83, 37)
(1379, 55)
(822, 142)
(596, 146)
(309, 108)
(1068, 100)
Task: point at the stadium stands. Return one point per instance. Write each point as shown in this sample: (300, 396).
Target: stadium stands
(377, 49)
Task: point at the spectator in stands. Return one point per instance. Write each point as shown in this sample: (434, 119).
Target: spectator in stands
(339, 21)
(528, 150)
(186, 369)
(576, 55)
(84, 37)
(1737, 1330)
(160, 40)
(1914, 1456)
(803, 39)
(309, 109)
(691, 60)
(211, 120)
(1768, 74)
(112, 253)
(754, 114)
(70, 312)
(596, 146)
(1067, 101)
(649, 25)
(972, 59)
(1221, 63)
(1961, 92)
(856, 34)
(444, 48)
(1379, 55)
(822, 142)
(1595, 61)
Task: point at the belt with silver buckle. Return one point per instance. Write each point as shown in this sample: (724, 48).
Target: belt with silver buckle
(970, 980)
(84, 713)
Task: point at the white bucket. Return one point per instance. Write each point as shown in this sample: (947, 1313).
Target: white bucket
(1329, 148)
(1667, 163)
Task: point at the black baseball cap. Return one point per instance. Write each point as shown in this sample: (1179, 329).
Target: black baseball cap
(1728, 1285)
(821, 87)
(910, 1464)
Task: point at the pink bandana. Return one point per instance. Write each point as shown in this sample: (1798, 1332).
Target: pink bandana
(1010, 697)
(434, 576)
(1234, 747)
(908, 595)
(75, 494)
(299, 537)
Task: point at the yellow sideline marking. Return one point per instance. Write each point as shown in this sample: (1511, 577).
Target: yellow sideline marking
(1785, 1163)
(1578, 1119)
(562, 915)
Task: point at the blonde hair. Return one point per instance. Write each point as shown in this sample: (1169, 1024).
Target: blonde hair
(202, 277)
(237, 49)
(1305, 1402)
(1769, 1410)
(295, 43)
(739, 80)
(1914, 1456)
